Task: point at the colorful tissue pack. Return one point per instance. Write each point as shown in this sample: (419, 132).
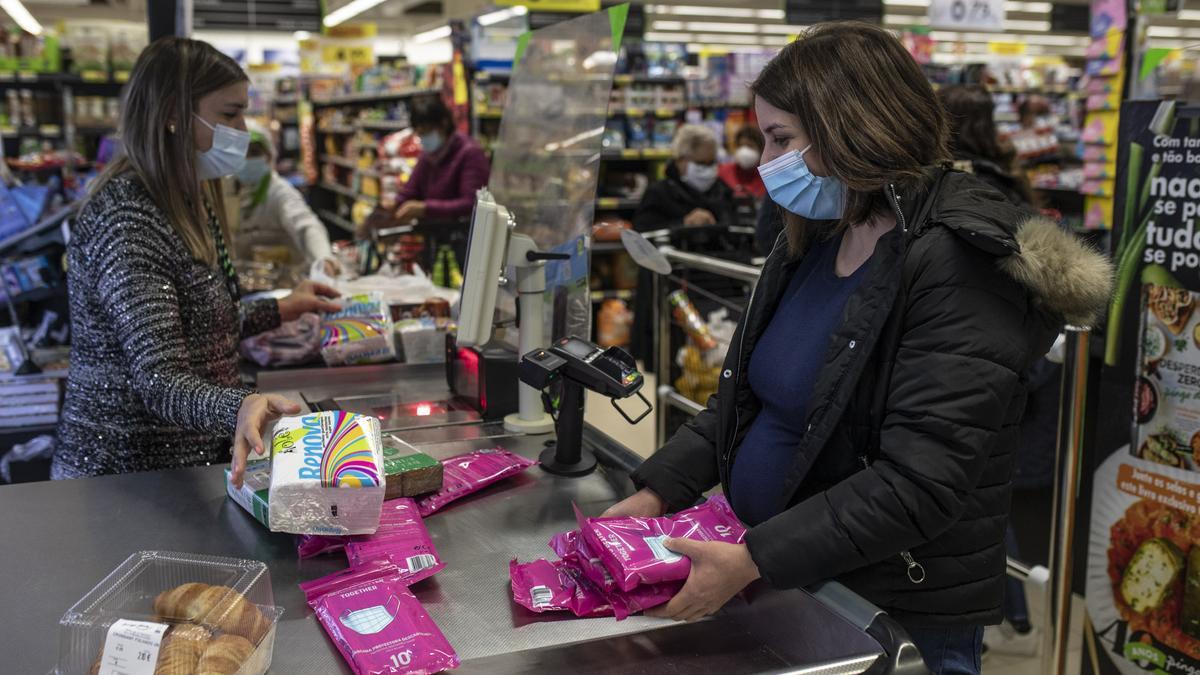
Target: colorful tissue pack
(618, 566)
(469, 473)
(362, 332)
(377, 624)
(326, 474)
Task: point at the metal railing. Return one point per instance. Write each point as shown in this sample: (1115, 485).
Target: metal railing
(1057, 579)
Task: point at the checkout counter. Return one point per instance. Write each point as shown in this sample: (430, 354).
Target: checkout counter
(61, 538)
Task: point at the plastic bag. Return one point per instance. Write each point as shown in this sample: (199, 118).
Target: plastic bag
(377, 623)
(401, 539)
(470, 473)
(292, 343)
(632, 549)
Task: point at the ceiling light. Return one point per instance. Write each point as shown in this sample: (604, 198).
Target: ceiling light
(1190, 15)
(302, 35)
(502, 15)
(734, 12)
(438, 33)
(1031, 7)
(22, 16)
(347, 11)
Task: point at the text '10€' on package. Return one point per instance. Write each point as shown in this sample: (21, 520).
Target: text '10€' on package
(362, 332)
(326, 474)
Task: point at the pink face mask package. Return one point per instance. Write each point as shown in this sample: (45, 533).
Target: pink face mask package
(470, 473)
(573, 550)
(544, 586)
(401, 539)
(377, 624)
(313, 545)
(632, 547)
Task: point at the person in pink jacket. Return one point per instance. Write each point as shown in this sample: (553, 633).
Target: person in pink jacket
(451, 168)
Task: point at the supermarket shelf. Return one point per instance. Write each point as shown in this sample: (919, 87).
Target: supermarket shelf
(601, 296)
(489, 113)
(631, 154)
(27, 80)
(336, 220)
(343, 162)
(337, 129)
(662, 113)
(95, 129)
(649, 79)
(370, 173)
(383, 125)
(42, 131)
(617, 204)
(51, 221)
(1065, 190)
(290, 99)
(371, 97)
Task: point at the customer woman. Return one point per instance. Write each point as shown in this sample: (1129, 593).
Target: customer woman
(741, 172)
(867, 409)
(155, 315)
(451, 169)
(690, 194)
(975, 145)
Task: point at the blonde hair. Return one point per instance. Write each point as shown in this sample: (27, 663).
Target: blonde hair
(168, 80)
(689, 139)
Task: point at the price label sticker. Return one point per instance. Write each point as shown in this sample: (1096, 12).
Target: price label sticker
(982, 15)
(131, 648)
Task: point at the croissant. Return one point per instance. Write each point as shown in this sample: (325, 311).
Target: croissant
(224, 655)
(218, 606)
(179, 653)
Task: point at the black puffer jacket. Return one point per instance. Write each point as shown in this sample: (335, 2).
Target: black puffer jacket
(905, 469)
(667, 202)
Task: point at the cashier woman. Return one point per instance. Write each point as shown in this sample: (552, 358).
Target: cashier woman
(155, 310)
(866, 416)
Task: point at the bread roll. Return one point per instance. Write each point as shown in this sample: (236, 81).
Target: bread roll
(181, 650)
(218, 606)
(224, 655)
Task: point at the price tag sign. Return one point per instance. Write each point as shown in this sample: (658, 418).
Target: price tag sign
(978, 15)
(131, 648)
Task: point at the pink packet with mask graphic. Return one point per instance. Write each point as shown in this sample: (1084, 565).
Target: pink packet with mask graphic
(632, 549)
(573, 550)
(545, 586)
(626, 603)
(377, 623)
(401, 539)
(313, 545)
(470, 473)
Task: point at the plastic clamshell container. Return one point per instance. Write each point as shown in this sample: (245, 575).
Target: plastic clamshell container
(128, 592)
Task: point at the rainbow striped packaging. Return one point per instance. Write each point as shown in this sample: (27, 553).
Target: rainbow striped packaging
(326, 474)
(362, 332)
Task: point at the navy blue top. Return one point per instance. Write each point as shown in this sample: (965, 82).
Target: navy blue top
(783, 370)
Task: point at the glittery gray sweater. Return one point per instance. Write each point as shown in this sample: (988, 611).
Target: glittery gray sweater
(154, 382)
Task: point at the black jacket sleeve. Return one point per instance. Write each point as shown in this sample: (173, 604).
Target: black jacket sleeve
(722, 205)
(658, 210)
(686, 466)
(953, 378)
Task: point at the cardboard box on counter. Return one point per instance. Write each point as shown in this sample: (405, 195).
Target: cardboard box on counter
(252, 496)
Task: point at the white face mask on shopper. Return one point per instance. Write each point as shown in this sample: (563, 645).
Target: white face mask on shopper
(700, 176)
(746, 157)
(227, 154)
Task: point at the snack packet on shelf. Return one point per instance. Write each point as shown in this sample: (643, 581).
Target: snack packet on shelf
(632, 549)
(545, 586)
(326, 474)
(470, 473)
(362, 332)
(402, 540)
(377, 624)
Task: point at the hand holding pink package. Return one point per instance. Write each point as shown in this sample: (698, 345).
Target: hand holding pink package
(632, 549)
(401, 539)
(470, 473)
(377, 623)
(571, 547)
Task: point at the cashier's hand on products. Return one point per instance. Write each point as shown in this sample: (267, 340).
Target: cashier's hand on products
(308, 296)
(257, 411)
(410, 210)
(699, 217)
(719, 572)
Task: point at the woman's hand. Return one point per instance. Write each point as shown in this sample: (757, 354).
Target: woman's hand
(410, 210)
(308, 296)
(699, 217)
(719, 571)
(644, 502)
(257, 411)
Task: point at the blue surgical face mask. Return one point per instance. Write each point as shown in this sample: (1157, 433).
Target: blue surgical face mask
(253, 171)
(793, 186)
(227, 154)
(431, 142)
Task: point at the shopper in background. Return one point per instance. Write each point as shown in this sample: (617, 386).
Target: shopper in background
(975, 144)
(451, 168)
(273, 213)
(741, 173)
(868, 407)
(1033, 111)
(690, 195)
(155, 316)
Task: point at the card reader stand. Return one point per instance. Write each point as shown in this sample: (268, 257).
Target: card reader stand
(579, 364)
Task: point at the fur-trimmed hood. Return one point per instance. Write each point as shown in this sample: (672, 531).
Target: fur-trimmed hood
(1069, 280)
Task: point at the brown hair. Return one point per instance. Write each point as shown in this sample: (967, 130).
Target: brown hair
(866, 106)
(168, 80)
(970, 114)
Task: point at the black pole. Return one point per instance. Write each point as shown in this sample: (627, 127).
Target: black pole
(566, 456)
(169, 17)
